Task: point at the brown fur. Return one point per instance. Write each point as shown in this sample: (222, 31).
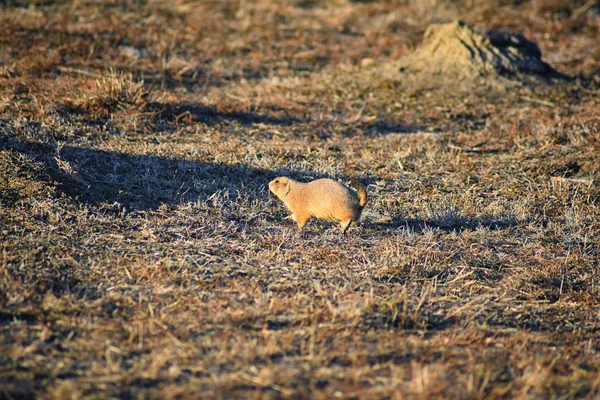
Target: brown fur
(322, 199)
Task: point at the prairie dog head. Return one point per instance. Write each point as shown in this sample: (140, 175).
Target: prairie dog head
(280, 186)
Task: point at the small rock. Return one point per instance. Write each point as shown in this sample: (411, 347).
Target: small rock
(366, 62)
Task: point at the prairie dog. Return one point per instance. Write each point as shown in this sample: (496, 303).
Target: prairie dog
(323, 199)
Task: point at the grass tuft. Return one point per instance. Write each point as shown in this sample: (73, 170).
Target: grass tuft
(112, 93)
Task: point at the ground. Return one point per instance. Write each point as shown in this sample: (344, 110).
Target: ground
(142, 256)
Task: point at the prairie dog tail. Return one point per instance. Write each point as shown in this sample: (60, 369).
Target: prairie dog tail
(362, 192)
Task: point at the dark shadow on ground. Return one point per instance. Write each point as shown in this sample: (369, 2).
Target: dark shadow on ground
(406, 317)
(166, 115)
(384, 127)
(132, 181)
(190, 112)
(417, 225)
(135, 182)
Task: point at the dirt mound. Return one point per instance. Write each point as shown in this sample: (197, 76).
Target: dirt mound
(457, 49)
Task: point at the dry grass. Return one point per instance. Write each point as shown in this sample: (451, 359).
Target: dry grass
(142, 256)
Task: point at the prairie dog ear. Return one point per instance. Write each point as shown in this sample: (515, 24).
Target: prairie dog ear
(288, 185)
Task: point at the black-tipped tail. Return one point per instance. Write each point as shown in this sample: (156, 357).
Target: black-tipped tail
(362, 192)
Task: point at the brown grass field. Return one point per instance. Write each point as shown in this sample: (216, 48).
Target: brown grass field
(142, 255)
